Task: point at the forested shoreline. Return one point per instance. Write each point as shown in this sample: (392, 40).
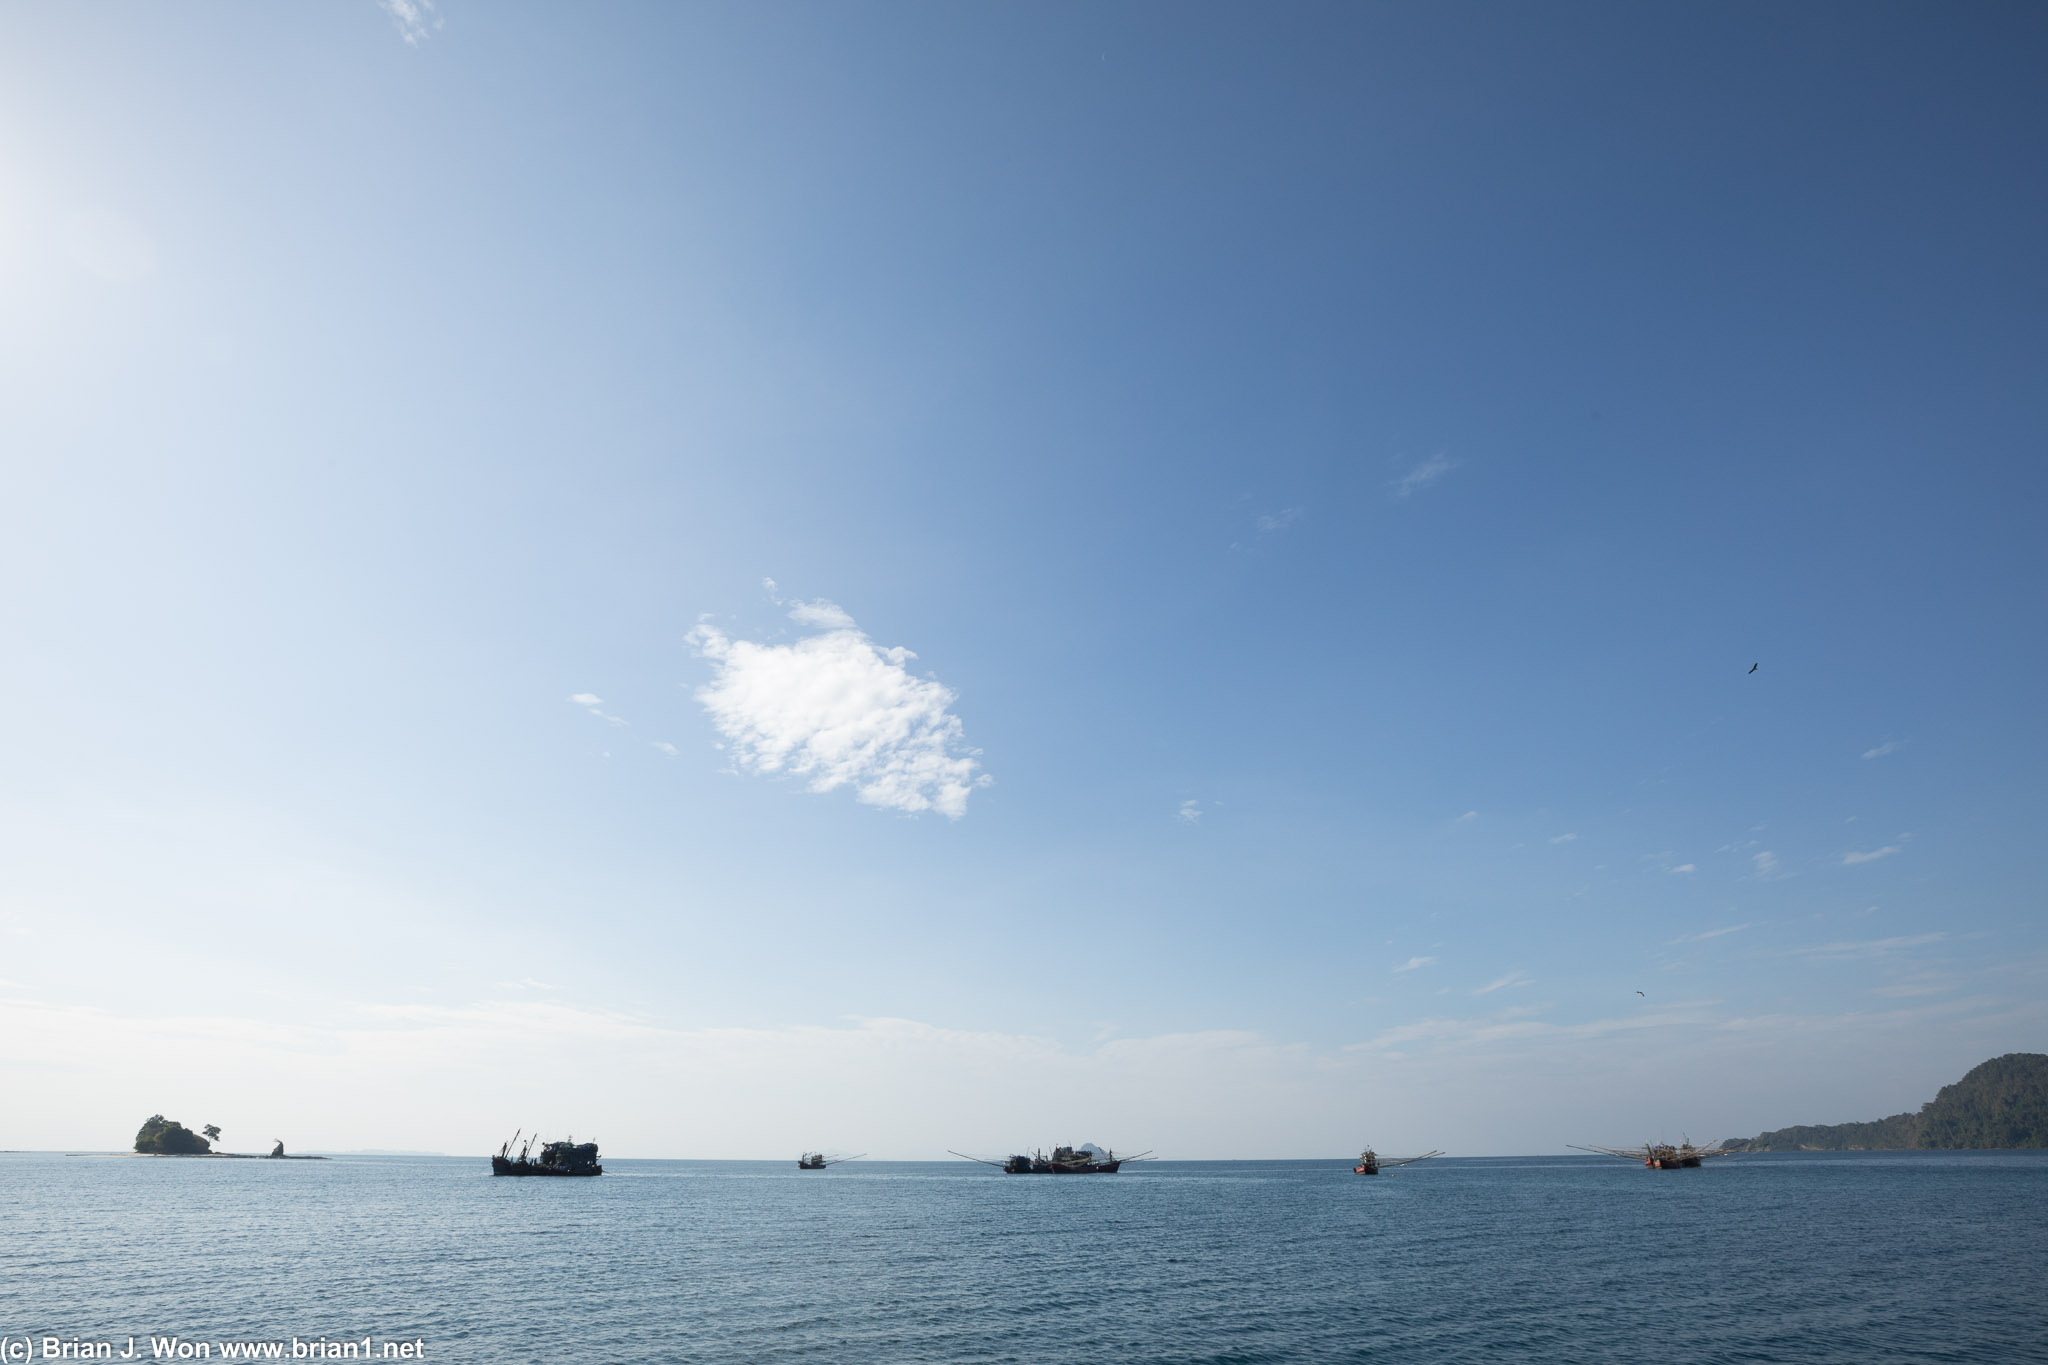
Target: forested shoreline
(2002, 1103)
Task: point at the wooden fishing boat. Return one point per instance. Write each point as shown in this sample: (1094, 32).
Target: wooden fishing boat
(1371, 1162)
(1660, 1156)
(818, 1161)
(1087, 1159)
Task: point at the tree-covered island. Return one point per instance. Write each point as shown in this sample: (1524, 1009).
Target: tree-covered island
(2002, 1103)
(160, 1136)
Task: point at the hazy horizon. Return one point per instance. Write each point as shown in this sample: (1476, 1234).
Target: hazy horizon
(921, 577)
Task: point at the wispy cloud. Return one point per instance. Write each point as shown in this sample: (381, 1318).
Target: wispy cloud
(1890, 746)
(1414, 964)
(1278, 521)
(1564, 838)
(893, 1080)
(1468, 816)
(1518, 1027)
(1514, 978)
(1208, 1094)
(594, 704)
(1423, 475)
(1189, 812)
(1765, 863)
(1909, 990)
(1685, 867)
(1853, 857)
(1875, 947)
(842, 711)
(1706, 934)
(415, 19)
(665, 747)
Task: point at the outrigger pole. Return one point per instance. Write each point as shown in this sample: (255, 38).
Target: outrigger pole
(982, 1159)
(1406, 1160)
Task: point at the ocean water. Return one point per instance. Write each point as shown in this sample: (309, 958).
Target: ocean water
(1811, 1258)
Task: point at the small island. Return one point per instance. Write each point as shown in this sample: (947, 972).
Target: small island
(1998, 1105)
(160, 1136)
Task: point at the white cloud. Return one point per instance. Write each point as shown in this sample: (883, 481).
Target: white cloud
(1413, 964)
(1190, 811)
(1279, 521)
(665, 747)
(842, 711)
(1468, 815)
(415, 19)
(1766, 863)
(1514, 978)
(1564, 838)
(1685, 867)
(1852, 858)
(594, 704)
(824, 615)
(1423, 475)
(1890, 746)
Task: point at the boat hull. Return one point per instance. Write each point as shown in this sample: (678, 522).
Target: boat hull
(1078, 1168)
(1092, 1168)
(501, 1166)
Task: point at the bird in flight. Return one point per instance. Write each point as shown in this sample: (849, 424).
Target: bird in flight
(1752, 669)
(1644, 996)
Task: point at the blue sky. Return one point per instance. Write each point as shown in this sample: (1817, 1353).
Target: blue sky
(1258, 522)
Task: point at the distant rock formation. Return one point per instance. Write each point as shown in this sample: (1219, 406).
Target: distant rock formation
(2001, 1103)
(160, 1136)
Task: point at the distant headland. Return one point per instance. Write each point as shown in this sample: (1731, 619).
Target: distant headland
(2002, 1103)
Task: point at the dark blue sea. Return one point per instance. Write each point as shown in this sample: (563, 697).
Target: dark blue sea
(1813, 1258)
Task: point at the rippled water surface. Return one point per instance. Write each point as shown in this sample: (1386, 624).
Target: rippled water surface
(1809, 1258)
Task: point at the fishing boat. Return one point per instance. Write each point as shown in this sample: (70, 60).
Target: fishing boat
(1371, 1162)
(1660, 1156)
(1087, 1159)
(567, 1157)
(818, 1161)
